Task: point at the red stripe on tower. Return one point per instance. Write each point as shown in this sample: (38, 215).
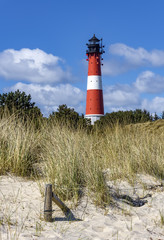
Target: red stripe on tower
(94, 101)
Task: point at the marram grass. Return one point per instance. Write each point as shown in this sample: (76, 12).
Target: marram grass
(18, 146)
(75, 161)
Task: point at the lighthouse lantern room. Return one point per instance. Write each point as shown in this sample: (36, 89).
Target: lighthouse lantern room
(94, 101)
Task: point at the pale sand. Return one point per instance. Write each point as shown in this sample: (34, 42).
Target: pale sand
(21, 213)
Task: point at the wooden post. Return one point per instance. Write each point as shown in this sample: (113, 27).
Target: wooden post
(48, 203)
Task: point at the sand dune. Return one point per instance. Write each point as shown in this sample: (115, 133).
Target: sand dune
(137, 213)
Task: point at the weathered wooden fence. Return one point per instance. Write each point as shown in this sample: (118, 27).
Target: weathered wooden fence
(49, 197)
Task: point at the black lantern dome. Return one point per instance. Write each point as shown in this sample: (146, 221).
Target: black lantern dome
(94, 46)
(94, 39)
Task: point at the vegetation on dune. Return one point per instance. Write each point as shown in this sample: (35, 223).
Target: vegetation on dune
(18, 146)
(65, 116)
(73, 155)
(156, 127)
(125, 117)
(19, 104)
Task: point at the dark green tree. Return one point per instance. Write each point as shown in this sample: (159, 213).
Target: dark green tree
(65, 116)
(124, 117)
(18, 103)
(141, 116)
(156, 117)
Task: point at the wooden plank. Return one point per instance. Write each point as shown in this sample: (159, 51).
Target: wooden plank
(63, 207)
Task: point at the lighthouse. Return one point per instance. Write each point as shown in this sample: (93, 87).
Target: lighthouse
(94, 100)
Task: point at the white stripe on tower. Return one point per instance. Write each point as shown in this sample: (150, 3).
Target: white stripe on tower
(94, 82)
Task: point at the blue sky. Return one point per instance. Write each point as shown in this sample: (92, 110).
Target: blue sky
(43, 45)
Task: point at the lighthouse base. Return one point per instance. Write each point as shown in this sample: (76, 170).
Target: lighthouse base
(94, 117)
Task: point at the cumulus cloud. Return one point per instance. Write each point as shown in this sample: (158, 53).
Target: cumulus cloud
(129, 97)
(124, 58)
(126, 97)
(149, 82)
(154, 105)
(48, 98)
(139, 56)
(114, 67)
(121, 97)
(33, 65)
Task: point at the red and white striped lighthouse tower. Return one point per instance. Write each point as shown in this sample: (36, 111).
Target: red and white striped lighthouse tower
(94, 101)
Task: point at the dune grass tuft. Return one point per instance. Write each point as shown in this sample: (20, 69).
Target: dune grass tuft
(18, 146)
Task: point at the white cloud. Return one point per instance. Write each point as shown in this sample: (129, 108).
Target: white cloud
(139, 56)
(121, 97)
(33, 65)
(128, 97)
(124, 58)
(149, 82)
(114, 67)
(154, 105)
(48, 98)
